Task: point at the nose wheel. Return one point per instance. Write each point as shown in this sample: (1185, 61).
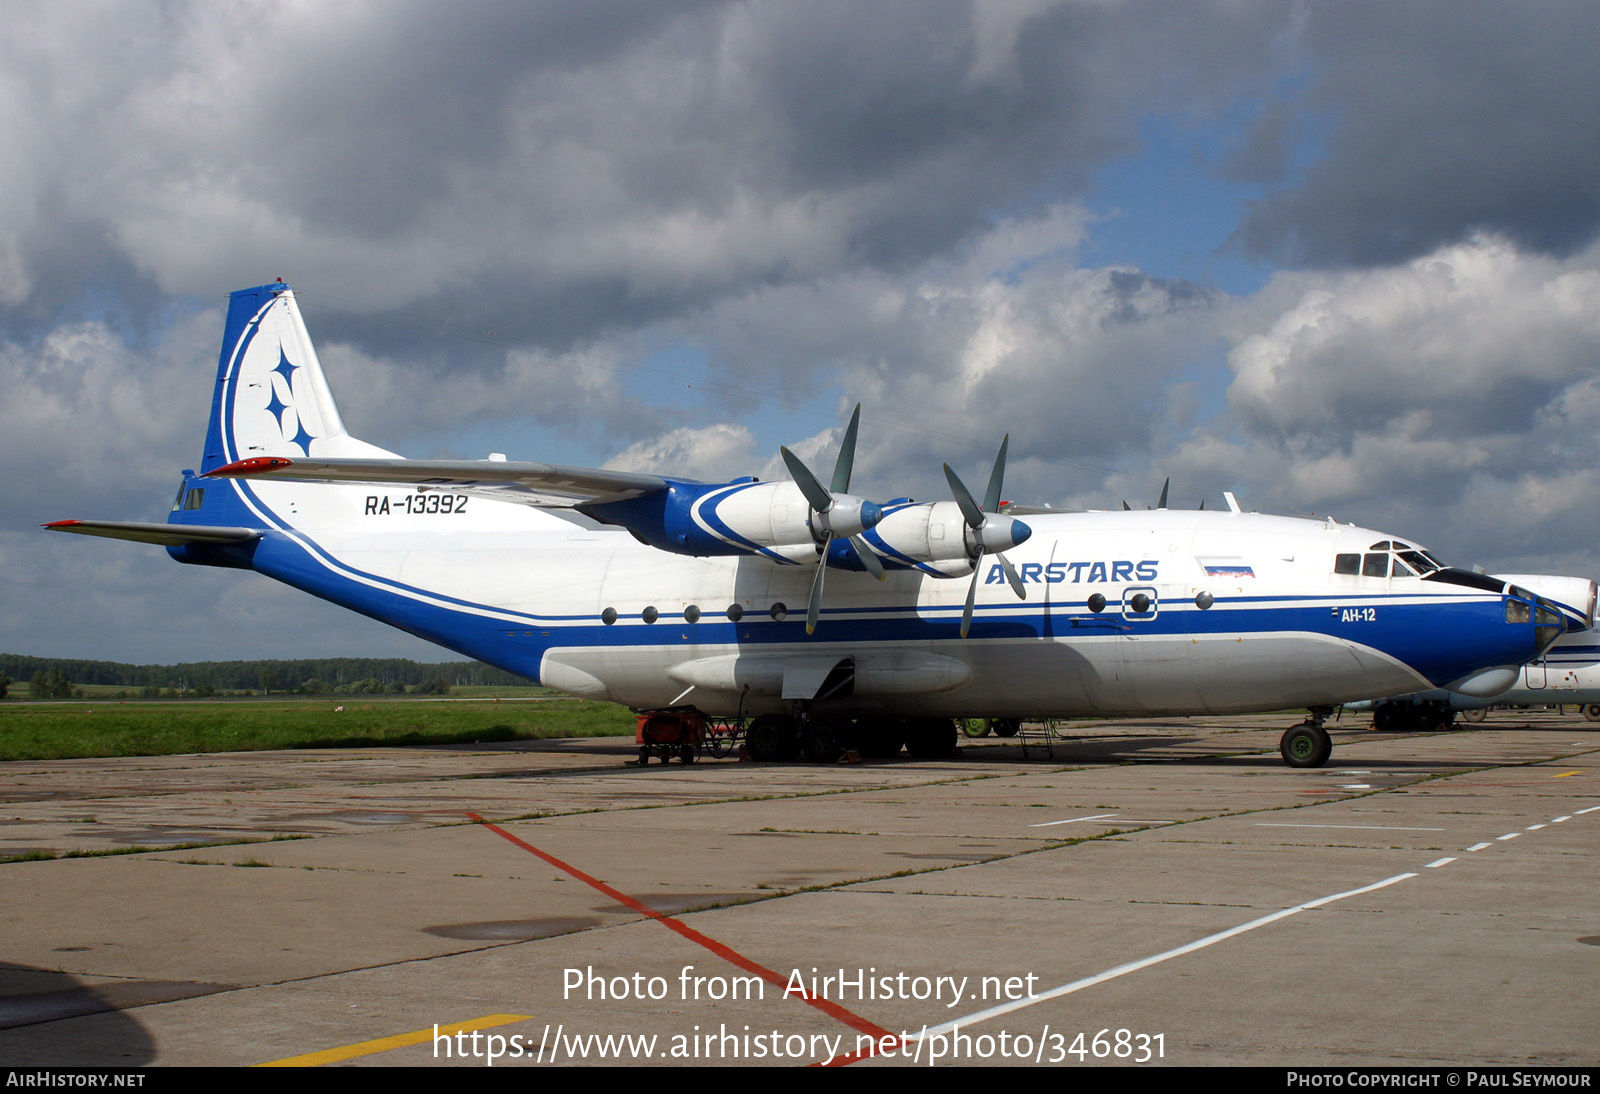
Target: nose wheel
(1307, 744)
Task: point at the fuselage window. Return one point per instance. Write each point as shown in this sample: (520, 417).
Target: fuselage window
(650, 615)
(1347, 564)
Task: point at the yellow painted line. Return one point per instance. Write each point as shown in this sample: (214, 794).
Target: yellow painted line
(1564, 774)
(399, 1040)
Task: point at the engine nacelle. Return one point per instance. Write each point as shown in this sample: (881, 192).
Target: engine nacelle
(931, 537)
(770, 519)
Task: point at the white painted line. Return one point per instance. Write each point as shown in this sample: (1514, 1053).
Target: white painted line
(1380, 827)
(1533, 827)
(1438, 862)
(1509, 835)
(1147, 962)
(1558, 820)
(1581, 812)
(1074, 820)
(1479, 846)
(1355, 786)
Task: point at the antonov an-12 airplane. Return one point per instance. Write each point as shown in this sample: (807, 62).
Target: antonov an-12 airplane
(663, 593)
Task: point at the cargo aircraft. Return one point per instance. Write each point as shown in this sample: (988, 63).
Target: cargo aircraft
(828, 619)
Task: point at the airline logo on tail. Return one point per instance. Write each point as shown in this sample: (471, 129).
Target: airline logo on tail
(272, 398)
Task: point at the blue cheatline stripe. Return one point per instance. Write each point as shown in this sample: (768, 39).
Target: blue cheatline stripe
(1413, 636)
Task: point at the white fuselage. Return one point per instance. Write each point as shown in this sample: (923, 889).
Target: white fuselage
(533, 591)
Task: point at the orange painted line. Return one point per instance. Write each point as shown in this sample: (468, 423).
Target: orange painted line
(733, 957)
(399, 1040)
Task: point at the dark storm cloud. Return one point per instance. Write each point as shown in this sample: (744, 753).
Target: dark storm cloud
(1439, 119)
(569, 169)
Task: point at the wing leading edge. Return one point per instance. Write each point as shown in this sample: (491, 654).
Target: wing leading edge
(166, 535)
(532, 483)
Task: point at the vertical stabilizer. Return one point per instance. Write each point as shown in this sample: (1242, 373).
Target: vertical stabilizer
(271, 397)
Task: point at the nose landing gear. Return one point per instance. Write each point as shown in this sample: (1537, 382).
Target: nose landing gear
(1307, 744)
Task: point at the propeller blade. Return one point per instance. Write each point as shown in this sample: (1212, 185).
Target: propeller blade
(816, 497)
(1202, 503)
(969, 508)
(1161, 502)
(814, 606)
(1011, 577)
(868, 559)
(972, 593)
(1126, 508)
(847, 455)
(991, 499)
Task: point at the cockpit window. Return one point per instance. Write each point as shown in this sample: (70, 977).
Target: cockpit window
(1347, 564)
(1401, 569)
(1375, 565)
(1419, 561)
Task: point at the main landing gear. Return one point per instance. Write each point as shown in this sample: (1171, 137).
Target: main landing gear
(823, 738)
(1307, 744)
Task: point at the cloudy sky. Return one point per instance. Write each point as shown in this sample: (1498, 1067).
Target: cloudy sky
(1336, 257)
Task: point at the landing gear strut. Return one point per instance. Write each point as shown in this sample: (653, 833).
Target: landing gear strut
(1307, 744)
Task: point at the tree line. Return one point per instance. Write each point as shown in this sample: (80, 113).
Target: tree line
(56, 676)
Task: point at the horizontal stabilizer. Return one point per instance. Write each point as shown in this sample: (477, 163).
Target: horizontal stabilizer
(166, 535)
(569, 485)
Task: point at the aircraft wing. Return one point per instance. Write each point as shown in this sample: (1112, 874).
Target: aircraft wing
(532, 483)
(167, 535)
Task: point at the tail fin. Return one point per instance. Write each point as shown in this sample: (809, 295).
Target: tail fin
(271, 397)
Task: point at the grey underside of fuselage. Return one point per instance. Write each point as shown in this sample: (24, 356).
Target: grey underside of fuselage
(1021, 678)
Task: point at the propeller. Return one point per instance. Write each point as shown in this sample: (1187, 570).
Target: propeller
(836, 513)
(987, 531)
(1161, 502)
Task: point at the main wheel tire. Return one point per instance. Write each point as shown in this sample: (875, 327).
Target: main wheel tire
(1305, 745)
(1006, 727)
(1592, 712)
(1386, 718)
(822, 738)
(1476, 715)
(975, 727)
(771, 738)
